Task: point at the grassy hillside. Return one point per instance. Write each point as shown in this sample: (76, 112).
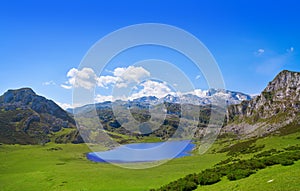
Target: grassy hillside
(245, 159)
(279, 178)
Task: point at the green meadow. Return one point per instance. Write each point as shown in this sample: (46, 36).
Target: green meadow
(63, 167)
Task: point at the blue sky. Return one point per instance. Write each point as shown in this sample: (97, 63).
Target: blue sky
(41, 41)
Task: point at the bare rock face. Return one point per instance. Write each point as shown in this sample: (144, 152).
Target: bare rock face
(277, 106)
(27, 118)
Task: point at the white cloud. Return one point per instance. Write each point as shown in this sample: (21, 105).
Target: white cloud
(51, 82)
(104, 81)
(64, 105)
(129, 75)
(66, 86)
(123, 76)
(85, 78)
(102, 98)
(198, 77)
(152, 88)
(119, 71)
(259, 52)
(197, 92)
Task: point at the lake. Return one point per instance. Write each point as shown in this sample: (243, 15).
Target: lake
(144, 152)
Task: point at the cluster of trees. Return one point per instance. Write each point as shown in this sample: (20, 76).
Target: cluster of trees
(234, 169)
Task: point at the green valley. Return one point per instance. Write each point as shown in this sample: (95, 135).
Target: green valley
(64, 167)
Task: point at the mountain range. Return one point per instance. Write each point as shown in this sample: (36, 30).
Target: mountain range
(27, 118)
(202, 98)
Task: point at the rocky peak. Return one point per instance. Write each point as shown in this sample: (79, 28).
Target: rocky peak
(285, 86)
(26, 117)
(26, 98)
(276, 106)
(19, 95)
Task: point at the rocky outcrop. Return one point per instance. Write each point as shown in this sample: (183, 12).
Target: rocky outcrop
(27, 118)
(277, 105)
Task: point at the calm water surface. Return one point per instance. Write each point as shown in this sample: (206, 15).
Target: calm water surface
(144, 152)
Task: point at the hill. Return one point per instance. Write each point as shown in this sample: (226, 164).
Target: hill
(27, 118)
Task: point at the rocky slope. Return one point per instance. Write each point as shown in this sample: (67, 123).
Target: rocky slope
(27, 118)
(277, 107)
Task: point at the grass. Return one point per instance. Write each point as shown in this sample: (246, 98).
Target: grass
(64, 167)
(235, 170)
(278, 177)
(242, 164)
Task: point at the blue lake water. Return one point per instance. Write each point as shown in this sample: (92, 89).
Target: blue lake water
(144, 152)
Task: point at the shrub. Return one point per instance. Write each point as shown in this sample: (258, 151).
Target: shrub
(189, 186)
(236, 170)
(267, 153)
(226, 161)
(270, 161)
(286, 162)
(244, 147)
(209, 176)
(293, 148)
(239, 174)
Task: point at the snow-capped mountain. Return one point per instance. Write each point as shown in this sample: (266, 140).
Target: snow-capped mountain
(208, 97)
(198, 97)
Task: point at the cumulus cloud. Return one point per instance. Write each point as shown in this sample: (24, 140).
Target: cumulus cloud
(152, 88)
(86, 78)
(104, 81)
(147, 88)
(129, 75)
